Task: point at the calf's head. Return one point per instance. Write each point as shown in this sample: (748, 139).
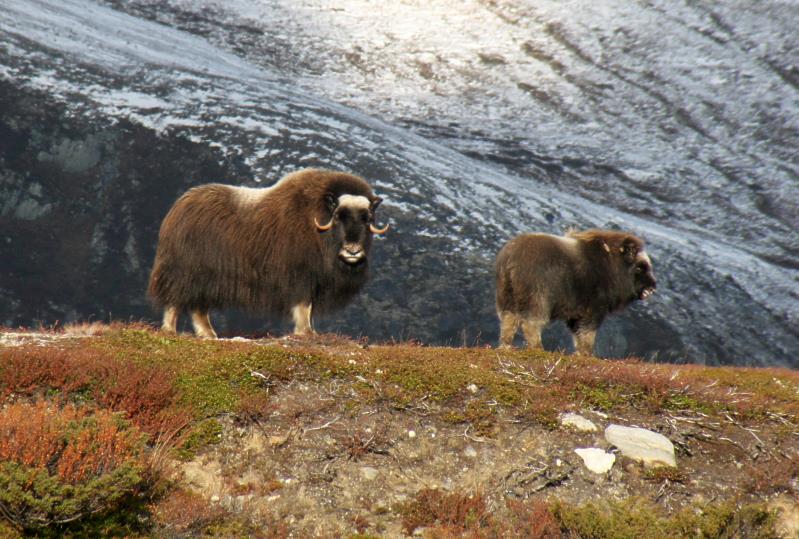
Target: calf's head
(351, 226)
(640, 267)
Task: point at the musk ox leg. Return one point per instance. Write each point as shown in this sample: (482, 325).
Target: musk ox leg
(531, 327)
(202, 325)
(170, 322)
(508, 326)
(301, 314)
(585, 340)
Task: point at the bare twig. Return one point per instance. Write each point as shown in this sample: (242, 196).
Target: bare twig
(752, 432)
(553, 367)
(267, 379)
(472, 438)
(326, 425)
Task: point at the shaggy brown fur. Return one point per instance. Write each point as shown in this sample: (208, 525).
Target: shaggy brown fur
(579, 278)
(221, 246)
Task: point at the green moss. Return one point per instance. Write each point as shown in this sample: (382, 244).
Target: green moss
(638, 519)
(727, 521)
(600, 397)
(615, 520)
(202, 435)
(687, 402)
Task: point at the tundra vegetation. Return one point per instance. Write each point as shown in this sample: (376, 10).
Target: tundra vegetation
(121, 430)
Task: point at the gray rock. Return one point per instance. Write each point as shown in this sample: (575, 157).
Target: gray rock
(643, 445)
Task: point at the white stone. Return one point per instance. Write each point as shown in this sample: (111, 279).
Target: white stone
(411, 434)
(595, 459)
(643, 445)
(470, 452)
(577, 421)
(472, 388)
(369, 473)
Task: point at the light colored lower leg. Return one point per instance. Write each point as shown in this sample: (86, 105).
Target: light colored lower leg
(202, 325)
(170, 323)
(508, 326)
(585, 341)
(531, 327)
(302, 319)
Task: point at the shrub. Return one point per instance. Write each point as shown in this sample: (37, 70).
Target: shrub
(58, 465)
(146, 393)
(452, 514)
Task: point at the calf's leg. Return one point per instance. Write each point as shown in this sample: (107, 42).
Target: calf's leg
(508, 326)
(301, 313)
(585, 340)
(531, 327)
(202, 325)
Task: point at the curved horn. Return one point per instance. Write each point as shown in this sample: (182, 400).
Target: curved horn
(322, 228)
(374, 230)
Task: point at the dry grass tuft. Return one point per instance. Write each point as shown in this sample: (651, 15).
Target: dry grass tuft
(777, 476)
(360, 443)
(185, 512)
(94, 329)
(447, 514)
(531, 519)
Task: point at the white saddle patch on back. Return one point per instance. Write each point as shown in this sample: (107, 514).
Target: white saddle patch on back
(247, 196)
(568, 243)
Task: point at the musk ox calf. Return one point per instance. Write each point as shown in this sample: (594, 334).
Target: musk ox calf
(578, 278)
(300, 245)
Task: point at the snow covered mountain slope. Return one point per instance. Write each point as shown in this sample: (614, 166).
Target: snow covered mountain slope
(475, 120)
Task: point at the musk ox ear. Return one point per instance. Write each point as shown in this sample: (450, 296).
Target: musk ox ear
(376, 201)
(331, 202)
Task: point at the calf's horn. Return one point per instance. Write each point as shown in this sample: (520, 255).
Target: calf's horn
(376, 230)
(322, 228)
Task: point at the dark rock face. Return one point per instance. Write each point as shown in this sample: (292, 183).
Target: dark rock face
(102, 128)
(82, 203)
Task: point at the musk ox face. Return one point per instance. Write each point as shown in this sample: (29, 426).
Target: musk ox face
(349, 231)
(643, 276)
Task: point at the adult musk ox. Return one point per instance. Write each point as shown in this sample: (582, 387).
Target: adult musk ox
(300, 245)
(578, 278)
